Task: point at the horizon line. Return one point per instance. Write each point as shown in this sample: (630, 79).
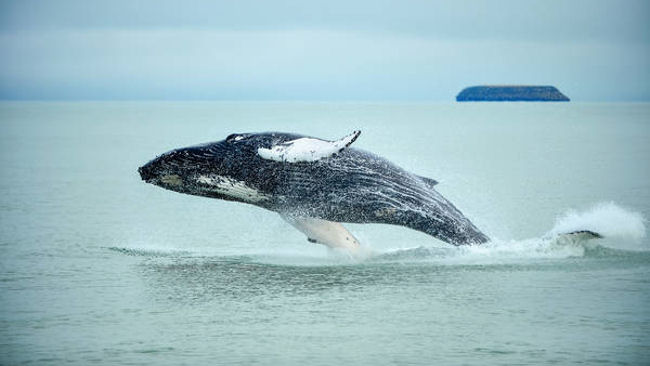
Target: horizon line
(325, 100)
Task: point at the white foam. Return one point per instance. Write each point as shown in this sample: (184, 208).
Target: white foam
(494, 252)
(607, 219)
(620, 227)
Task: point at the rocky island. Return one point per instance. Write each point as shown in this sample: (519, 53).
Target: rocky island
(511, 93)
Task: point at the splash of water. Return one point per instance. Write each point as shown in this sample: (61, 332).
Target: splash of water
(616, 224)
(607, 219)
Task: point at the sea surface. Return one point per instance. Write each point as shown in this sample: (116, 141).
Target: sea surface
(97, 267)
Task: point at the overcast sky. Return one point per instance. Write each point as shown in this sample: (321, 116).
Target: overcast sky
(321, 50)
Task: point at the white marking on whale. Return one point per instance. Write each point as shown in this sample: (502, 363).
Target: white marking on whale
(306, 149)
(172, 179)
(232, 187)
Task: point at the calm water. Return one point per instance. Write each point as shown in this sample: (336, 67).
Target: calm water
(98, 267)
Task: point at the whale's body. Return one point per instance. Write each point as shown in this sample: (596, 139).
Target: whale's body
(314, 184)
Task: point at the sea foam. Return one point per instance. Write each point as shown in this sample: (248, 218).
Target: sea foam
(607, 218)
(622, 229)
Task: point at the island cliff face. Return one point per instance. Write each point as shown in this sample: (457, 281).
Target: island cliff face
(511, 93)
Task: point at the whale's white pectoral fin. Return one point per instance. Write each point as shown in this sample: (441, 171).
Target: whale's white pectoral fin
(306, 149)
(329, 233)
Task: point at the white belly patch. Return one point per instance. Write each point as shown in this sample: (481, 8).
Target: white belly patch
(231, 187)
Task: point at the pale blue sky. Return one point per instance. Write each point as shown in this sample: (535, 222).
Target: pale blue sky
(321, 50)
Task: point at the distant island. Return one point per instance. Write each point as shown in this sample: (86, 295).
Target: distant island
(511, 93)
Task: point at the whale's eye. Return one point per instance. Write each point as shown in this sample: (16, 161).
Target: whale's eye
(235, 137)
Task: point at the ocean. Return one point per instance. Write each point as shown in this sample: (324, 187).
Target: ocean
(97, 267)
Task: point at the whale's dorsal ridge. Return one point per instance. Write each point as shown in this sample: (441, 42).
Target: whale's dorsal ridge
(306, 149)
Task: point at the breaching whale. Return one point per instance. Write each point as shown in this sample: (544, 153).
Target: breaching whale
(313, 184)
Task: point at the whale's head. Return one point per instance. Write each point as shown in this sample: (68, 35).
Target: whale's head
(230, 169)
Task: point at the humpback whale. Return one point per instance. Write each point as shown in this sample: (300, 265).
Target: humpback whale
(314, 184)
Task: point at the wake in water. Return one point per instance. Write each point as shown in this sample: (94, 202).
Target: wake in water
(622, 230)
